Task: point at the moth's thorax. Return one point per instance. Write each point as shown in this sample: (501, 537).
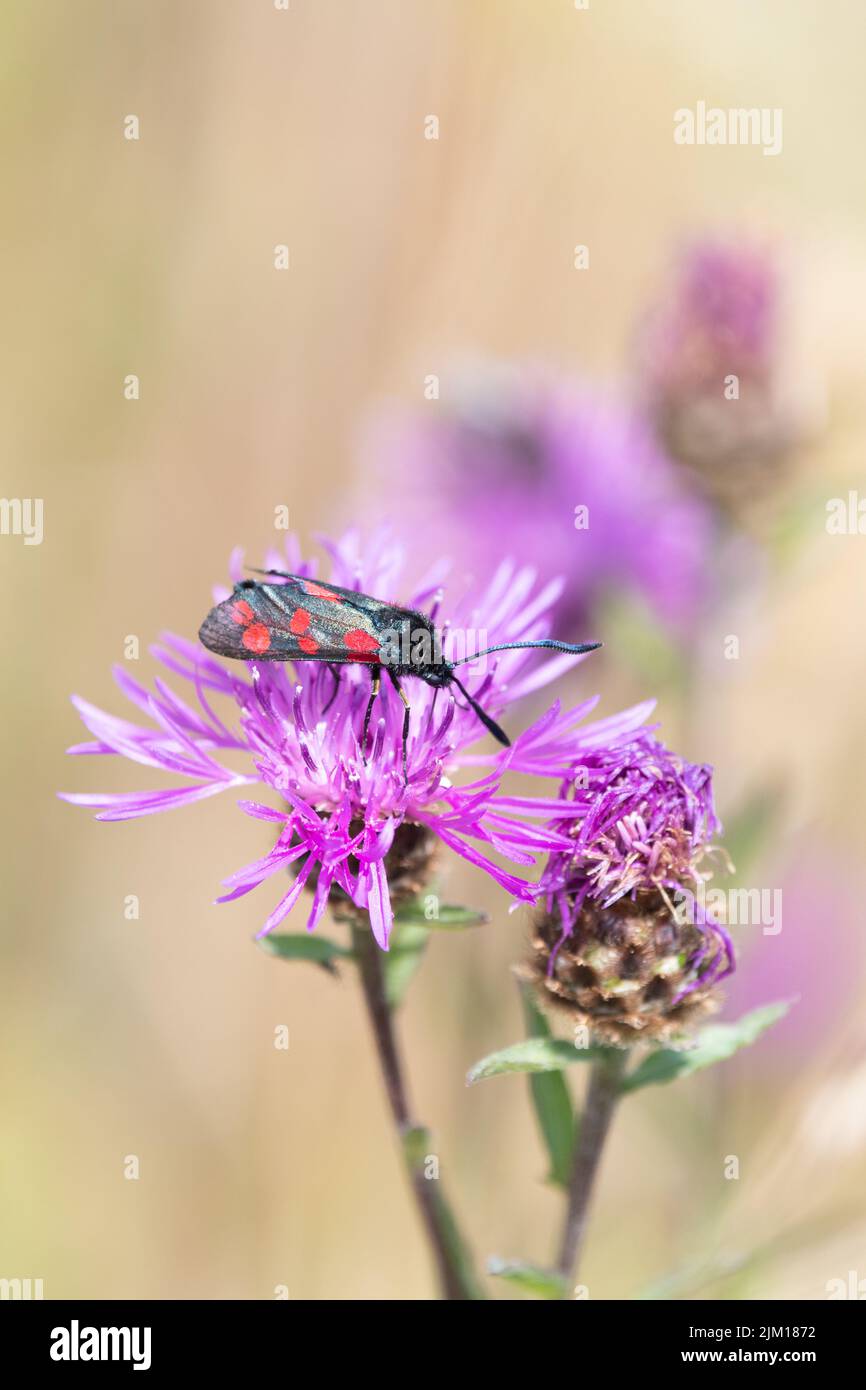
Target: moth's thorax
(410, 645)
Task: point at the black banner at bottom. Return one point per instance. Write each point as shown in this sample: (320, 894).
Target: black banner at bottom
(152, 1338)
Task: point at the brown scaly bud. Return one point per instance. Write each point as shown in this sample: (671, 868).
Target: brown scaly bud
(625, 971)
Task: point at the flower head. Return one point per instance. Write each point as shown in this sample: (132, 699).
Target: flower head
(614, 943)
(569, 481)
(721, 314)
(349, 822)
(715, 373)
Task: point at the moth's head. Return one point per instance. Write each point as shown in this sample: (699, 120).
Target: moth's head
(435, 673)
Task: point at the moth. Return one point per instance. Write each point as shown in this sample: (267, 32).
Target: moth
(301, 619)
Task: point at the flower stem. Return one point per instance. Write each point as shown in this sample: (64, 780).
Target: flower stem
(453, 1265)
(601, 1100)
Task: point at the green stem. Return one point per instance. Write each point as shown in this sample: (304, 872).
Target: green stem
(602, 1096)
(453, 1265)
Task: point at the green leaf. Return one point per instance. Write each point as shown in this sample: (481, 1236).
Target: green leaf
(448, 917)
(301, 946)
(417, 1143)
(715, 1043)
(401, 960)
(551, 1100)
(694, 1277)
(543, 1282)
(533, 1055)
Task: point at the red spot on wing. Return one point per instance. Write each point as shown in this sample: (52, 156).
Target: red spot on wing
(309, 645)
(300, 621)
(318, 591)
(361, 644)
(241, 612)
(256, 638)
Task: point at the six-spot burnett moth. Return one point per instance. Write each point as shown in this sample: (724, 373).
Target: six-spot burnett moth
(306, 620)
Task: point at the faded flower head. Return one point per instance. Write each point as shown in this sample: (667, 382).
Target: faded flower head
(343, 822)
(714, 370)
(522, 460)
(613, 943)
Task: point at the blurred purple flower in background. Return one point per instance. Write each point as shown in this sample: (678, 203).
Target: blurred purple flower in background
(814, 951)
(522, 461)
(348, 822)
(722, 308)
(714, 372)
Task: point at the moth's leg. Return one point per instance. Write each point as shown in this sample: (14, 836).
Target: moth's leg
(336, 674)
(376, 673)
(407, 710)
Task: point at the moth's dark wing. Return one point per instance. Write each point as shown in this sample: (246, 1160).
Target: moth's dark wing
(223, 633)
(261, 622)
(326, 592)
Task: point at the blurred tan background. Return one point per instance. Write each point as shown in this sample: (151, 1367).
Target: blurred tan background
(155, 257)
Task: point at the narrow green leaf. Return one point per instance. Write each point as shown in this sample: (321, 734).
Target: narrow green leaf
(402, 959)
(447, 918)
(302, 946)
(416, 1145)
(416, 1148)
(690, 1280)
(716, 1043)
(533, 1055)
(545, 1283)
(551, 1100)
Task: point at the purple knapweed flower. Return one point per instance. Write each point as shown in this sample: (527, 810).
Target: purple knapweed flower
(720, 314)
(715, 374)
(346, 824)
(625, 940)
(569, 479)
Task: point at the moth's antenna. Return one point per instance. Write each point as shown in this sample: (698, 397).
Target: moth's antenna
(547, 642)
(282, 573)
(488, 723)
